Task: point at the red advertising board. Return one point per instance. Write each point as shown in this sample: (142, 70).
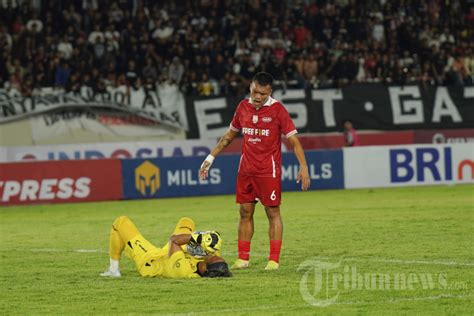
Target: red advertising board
(445, 136)
(60, 181)
(375, 138)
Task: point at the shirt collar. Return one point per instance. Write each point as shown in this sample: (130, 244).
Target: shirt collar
(269, 102)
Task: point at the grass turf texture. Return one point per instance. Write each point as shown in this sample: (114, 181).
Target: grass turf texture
(46, 266)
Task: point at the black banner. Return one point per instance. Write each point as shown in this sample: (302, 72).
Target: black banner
(368, 106)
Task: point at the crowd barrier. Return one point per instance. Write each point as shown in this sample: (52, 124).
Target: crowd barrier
(113, 179)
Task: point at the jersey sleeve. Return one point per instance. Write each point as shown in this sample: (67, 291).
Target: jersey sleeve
(287, 126)
(235, 123)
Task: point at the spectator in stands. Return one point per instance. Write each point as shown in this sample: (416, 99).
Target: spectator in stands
(150, 71)
(310, 68)
(74, 85)
(351, 138)
(65, 48)
(190, 83)
(427, 75)
(99, 50)
(176, 71)
(34, 25)
(308, 43)
(131, 75)
(62, 74)
(96, 34)
(469, 66)
(205, 87)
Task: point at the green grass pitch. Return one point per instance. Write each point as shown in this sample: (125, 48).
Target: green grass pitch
(381, 251)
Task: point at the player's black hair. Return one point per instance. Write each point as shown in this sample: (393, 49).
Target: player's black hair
(217, 270)
(263, 79)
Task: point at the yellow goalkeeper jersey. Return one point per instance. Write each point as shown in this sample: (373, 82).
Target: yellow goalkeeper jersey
(152, 261)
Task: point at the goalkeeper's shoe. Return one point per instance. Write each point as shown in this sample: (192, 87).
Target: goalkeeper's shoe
(272, 265)
(111, 273)
(240, 264)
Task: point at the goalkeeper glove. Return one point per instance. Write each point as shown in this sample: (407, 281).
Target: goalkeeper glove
(210, 241)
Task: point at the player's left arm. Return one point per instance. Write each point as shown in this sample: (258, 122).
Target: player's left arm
(225, 141)
(303, 174)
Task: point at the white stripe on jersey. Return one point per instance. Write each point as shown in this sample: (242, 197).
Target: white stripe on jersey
(233, 128)
(293, 132)
(273, 166)
(240, 162)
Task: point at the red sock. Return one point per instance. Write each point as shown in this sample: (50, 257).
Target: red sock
(244, 249)
(275, 247)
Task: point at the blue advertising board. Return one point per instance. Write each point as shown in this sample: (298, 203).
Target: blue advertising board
(325, 170)
(174, 177)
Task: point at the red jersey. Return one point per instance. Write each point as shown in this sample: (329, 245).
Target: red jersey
(262, 129)
(351, 137)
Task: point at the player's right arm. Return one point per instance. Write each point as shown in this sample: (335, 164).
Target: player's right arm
(225, 141)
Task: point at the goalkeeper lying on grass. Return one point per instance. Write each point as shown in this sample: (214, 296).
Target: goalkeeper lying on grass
(188, 254)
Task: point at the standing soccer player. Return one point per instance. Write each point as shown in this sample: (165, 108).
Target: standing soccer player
(261, 120)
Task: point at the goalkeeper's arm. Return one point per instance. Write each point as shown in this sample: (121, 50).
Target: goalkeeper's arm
(225, 141)
(176, 241)
(212, 266)
(210, 241)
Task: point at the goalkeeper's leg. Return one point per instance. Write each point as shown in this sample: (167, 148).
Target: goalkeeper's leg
(123, 229)
(185, 225)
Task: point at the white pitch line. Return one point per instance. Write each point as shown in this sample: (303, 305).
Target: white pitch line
(293, 306)
(446, 262)
(89, 250)
(59, 250)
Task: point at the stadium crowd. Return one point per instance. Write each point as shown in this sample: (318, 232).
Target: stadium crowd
(211, 47)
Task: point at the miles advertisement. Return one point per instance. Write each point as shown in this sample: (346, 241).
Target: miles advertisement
(172, 177)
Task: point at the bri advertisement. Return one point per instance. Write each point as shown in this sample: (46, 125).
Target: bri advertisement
(172, 177)
(384, 166)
